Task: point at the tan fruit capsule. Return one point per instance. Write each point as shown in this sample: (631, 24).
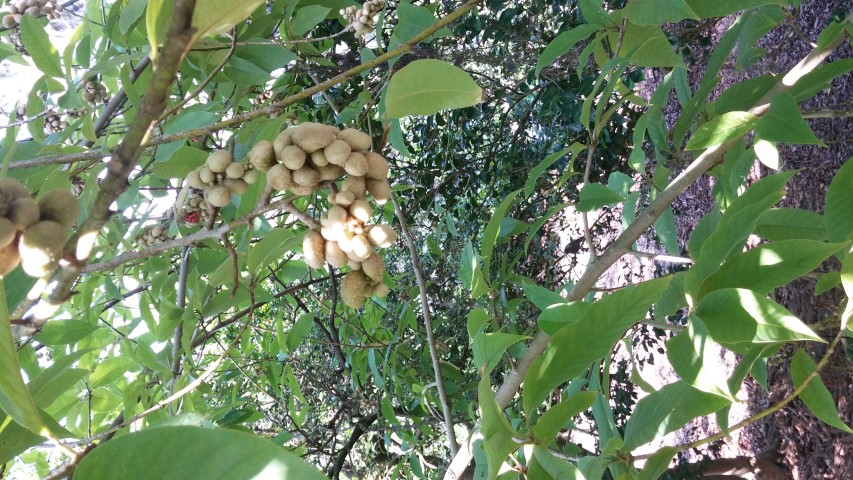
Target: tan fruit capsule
(318, 158)
(381, 290)
(194, 179)
(337, 215)
(357, 139)
(235, 170)
(236, 185)
(353, 288)
(361, 247)
(9, 22)
(361, 210)
(382, 236)
(343, 199)
(24, 212)
(330, 233)
(377, 166)
(34, 11)
(12, 188)
(373, 267)
(306, 177)
(292, 157)
(218, 161)
(59, 206)
(218, 196)
(314, 249)
(356, 164)
(335, 256)
(251, 176)
(356, 185)
(206, 176)
(40, 247)
(278, 177)
(7, 232)
(330, 172)
(337, 152)
(312, 136)
(262, 155)
(354, 264)
(380, 190)
(282, 140)
(9, 258)
(302, 190)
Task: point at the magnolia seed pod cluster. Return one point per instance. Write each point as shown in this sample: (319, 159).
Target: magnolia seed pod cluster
(221, 176)
(53, 123)
(17, 42)
(36, 8)
(33, 233)
(152, 236)
(94, 93)
(362, 18)
(196, 210)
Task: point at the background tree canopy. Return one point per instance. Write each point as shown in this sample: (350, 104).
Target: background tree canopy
(196, 271)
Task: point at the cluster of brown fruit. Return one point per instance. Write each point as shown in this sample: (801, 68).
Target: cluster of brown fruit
(195, 210)
(17, 42)
(221, 176)
(152, 236)
(33, 233)
(262, 97)
(30, 7)
(362, 18)
(94, 93)
(53, 123)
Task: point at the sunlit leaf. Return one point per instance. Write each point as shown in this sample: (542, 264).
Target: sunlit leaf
(425, 87)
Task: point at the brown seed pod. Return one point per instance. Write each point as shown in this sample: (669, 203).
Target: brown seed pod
(357, 139)
(382, 236)
(354, 264)
(282, 140)
(344, 199)
(7, 232)
(292, 157)
(302, 190)
(194, 179)
(314, 249)
(306, 177)
(336, 215)
(40, 247)
(377, 166)
(23, 212)
(337, 152)
(278, 177)
(353, 289)
(262, 155)
(59, 206)
(381, 290)
(12, 189)
(373, 267)
(9, 22)
(236, 185)
(218, 196)
(356, 185)
(335, 256)
(318, 158)
(206, 176)
(313, 136)
(218, 161)
(9, 258)
(380, 190)
(361, 248)
(235, 170)
(361, 210)
(356, 164)
(250, 176)
(330, 172)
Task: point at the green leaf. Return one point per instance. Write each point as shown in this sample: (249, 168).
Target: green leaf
(546, 465)
(646, 46)
(562, 44)
(476, 321)
(497, 433)
(656, 12)
(657, 464)
(41, 386)
(490, 235)
(212, 17)
(738, 316)
(839, 204)
(582, 342)
(470, 274)
(545, 164)
(723, 8)
(215, 454)
(667, 410)
(425, 87)
(816, 396)
(157, 16)
(595, 195)
(721, 129)
(275, 243)
(412, 20)
(130, 15)
(64, 332)
(769, 266)
(307, 18)
(693, 357)
(594, 13)
(110, 370)
(784, 122)
(819, 79)
(556, 417)
(489, 348)
(743, 95)
(540, 296)
(791, 224)
(42, 51)
(827, 282)
(300, 330)
(557, 316)
(180, 163)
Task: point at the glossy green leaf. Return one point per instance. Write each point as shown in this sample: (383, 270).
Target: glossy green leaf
(557, 316)
(215, 454)
(490, 234)
(157, 16)
(562, 44)
(791, 224)
(827, 282)
(498, 442)
(300, 330)
(110, 370)
(722, 8)
(595, 195)
(42, 51)
(693, 356)
(667, 410)
(425, 87)
(180, 163)
(540, 168)
(476, 321)
(738, 316)
(580, 343)
(308, 17)
(470, 273)
(64, 332)
(839, 204)
(130, 15)
(489, 348)
(656, 12)
(721, 129)
(546, 465)
(212, 17)
(657, 464)
(41, 386)
(556, 417)
(784, 122)
(275, 243)
(594, 13)
(647, 46)
(816, 396)
(541, 297)
(412, 20)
